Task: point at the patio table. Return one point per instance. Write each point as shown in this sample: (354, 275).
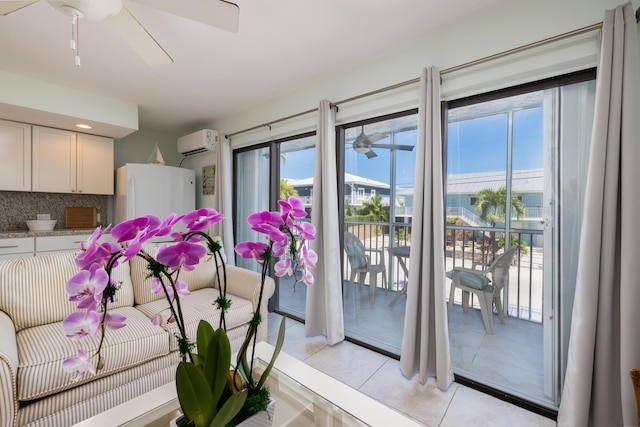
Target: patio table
(402, 253)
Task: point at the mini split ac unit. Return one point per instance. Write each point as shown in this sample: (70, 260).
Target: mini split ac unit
(205, 140)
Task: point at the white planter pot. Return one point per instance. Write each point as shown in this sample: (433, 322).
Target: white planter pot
(262, 418)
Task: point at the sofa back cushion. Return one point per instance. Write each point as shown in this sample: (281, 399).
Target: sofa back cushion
(203, 276)
(32, 289)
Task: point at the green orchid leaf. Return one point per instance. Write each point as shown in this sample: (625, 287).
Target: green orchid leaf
(276, 352)
(242, 361)
(194, 394)
(218, 363)
(203, 335)
(230, 409)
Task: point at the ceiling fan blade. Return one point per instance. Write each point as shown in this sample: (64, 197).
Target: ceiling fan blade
(377, 136)
(8, 6)
(395, 147)
(216, 13)
(370, 154)
(138, 38)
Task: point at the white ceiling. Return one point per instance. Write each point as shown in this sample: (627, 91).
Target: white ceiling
(281, 45)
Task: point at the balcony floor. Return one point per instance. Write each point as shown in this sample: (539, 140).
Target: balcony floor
(510, 360)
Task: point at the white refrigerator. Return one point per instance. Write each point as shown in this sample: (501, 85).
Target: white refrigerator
(153, 189)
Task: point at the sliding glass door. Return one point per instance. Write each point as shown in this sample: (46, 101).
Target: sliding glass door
(516, 163)
(265, 174)
(377, 188)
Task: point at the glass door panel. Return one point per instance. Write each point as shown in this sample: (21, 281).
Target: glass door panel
(252, 195)
(379, 162)
(504, 189)
(297, 160)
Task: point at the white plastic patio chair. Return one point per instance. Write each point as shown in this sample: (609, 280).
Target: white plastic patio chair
(360, 263)
(488, 290)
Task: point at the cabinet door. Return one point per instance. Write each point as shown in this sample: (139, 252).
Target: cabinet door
(16, 247)
(48, 244)
(54, 160)
(15, 156)
(95, 173)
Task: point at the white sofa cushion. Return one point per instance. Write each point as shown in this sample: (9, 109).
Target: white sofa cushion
(199, 306)
(42, 349)
(32, 290)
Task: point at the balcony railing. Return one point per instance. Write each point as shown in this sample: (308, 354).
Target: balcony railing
(470, 247)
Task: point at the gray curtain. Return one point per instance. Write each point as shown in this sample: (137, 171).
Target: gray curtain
(425, 343)
(324, 313)
(605, 342)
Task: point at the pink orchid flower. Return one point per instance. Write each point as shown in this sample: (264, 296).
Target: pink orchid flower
(89, 246)
(292, 209)
(307, 277)
(86, 286)
(114, 320)
(201, 219)
(306, 230)
(167, 225)
(252, 250)
(308, 257)
(78, 365)
(278, 249)
(283, 268)
(79, 324)
(157, 319)
(157, 287)
(91, 252)
(132, 247)
(182, 288)
(130, 229)
(181, 254)
(268, 223)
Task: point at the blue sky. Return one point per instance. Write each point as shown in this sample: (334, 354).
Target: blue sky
(478, 145)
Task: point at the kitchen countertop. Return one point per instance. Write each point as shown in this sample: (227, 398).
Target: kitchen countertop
(10, 234)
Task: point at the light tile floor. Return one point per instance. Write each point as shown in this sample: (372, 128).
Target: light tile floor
(379, 377)
(511, 360)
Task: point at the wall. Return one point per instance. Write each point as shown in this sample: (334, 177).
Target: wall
(137, 147)
(18, 207)
(196, 163)
(515, 25)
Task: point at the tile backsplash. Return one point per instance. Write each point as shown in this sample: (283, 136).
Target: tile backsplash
(18, 207)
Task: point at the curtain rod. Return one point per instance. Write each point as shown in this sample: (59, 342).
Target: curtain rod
(499, 55)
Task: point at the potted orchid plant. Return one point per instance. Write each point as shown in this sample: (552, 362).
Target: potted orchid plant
(211, 390)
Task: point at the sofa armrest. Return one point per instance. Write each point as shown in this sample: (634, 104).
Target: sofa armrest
(8, 371)
(245, 283)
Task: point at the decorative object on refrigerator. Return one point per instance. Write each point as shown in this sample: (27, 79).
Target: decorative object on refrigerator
(156, 156)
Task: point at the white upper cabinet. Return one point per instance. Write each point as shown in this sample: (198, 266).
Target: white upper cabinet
(54, 160)
(15, 156)
(68, 162)
(95, 164)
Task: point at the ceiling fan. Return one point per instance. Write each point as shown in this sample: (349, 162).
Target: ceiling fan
(365, 144)
(216, 13)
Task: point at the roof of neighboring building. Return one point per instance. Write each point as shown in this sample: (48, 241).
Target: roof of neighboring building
(348, 179)
(523, 181)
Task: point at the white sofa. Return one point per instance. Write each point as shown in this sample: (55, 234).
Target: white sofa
(34, 389)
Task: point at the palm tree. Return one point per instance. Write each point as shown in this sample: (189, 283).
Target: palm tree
(491, 205)
(287, 190)
(374, 210)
